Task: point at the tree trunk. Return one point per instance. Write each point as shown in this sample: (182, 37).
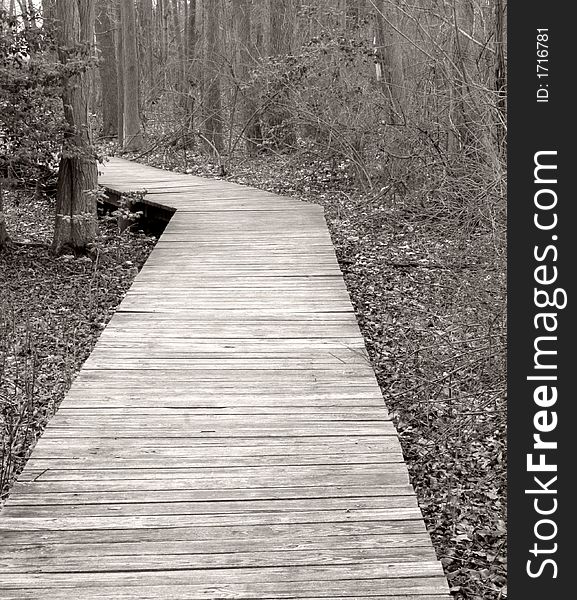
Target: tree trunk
(146, 16)
(162, 15)
(107, 67)
(180, 70)
(132, 135)
(190, 84)
(186, 36)
(388, 66)
(459, 132)
(500, 74)
(75, 225)
(248, 53)
(282, 23)
(281, 27)
(212, 119)
(120, 79)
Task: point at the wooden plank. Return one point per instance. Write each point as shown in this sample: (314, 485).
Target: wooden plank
(236, 542)
(109, 361)
(239, 445)
(223, 560)
(172, 462)
(154, 587)
(394, 471)
(34, 484)
(360, 413)
(199, 508)
(400, 533)
(35, 497)
(171, 593)
(361, 572)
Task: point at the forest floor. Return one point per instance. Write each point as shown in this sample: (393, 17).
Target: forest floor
(52, 310)
(429, 294)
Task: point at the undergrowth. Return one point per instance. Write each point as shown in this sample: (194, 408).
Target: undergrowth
(52, 310)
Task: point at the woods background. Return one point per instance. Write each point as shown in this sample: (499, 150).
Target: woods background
(390, 113)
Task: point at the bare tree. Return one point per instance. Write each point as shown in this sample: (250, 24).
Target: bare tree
(179, 41)
(120, 78)
(281, 27)
(212, 103)
(75, 224)
(107, 67)
(247, 58)
(500, 72)
(132, 130)
(463, 17)
(147, 39)
(389, 72)
(190, 53)
(162, 22)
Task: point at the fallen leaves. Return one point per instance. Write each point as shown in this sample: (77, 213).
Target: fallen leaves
(52, 310)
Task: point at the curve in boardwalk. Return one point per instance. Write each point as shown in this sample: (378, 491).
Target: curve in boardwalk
(227, 437)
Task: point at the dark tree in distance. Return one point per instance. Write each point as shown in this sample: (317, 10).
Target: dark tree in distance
(107, 68)
(247, 58)
(132, 133)
(212, 104)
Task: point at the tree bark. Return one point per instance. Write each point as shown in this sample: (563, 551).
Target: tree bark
(75, 224)
(148, 34)
(178, 38)
(281, 15)
(190, 84)
(281, 27)
(120, 78)
(162, 15)
(389, 71)
(248, 53)
(500, 74)
(459, 132)
(107, 67)
(212, 119)
(133, 140)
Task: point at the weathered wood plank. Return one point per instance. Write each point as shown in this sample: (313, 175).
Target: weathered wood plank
(200, 508)
(172, 593)
(391, 470)
(400, 532)
(388, 482)
(211, 495)
(364, 573)
(393, 545)
(415, 588)
(403, 560)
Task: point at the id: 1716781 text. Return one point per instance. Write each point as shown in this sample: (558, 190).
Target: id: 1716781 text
(542, 65)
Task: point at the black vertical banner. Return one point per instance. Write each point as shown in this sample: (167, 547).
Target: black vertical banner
(542, 268)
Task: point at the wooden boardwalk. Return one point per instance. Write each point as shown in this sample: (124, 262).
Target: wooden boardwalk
(227, 437)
